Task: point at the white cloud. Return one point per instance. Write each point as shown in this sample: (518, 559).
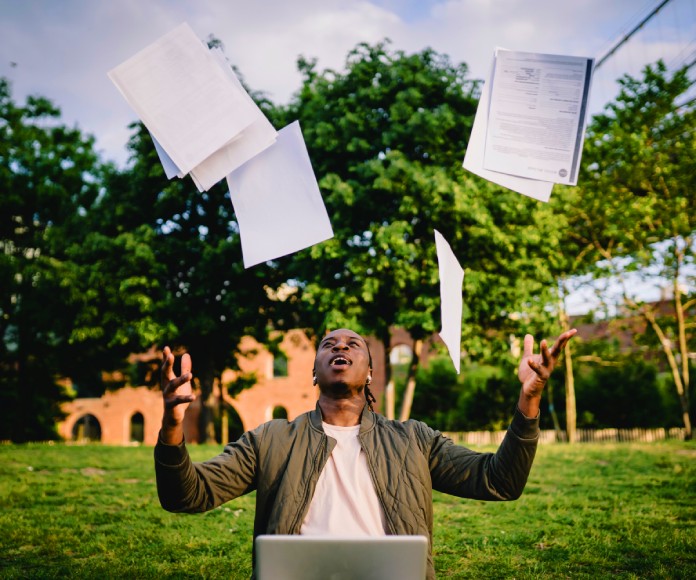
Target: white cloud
(64, 49)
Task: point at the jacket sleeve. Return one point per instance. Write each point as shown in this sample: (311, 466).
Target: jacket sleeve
(185, 486)
(501, 475)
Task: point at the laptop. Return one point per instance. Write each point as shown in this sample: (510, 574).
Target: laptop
(281, 557)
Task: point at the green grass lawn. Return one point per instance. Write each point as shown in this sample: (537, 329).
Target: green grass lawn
(589, 511)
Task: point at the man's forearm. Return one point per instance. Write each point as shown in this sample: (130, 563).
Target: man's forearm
(529, 405)
(172, 432)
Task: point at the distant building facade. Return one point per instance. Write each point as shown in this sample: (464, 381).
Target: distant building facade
(283, 388)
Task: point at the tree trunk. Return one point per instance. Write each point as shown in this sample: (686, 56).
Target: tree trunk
(389, 388)
(224, 419)
(560, 435)
(206, 427)
(684, 354)
(674, 367)
(389, 402)
(571, 411)
(407, 401)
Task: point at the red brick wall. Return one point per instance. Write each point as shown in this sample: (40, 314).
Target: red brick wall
(295, 392)
(254, 406)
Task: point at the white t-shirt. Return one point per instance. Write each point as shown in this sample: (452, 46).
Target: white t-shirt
(345, 502)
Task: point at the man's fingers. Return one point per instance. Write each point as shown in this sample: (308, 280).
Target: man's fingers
(167, 371)
(566, 336)
(175, 383)
(185, 363)
(560, 344)
(541, 371)
(179, 400)
(169, 381)
(528, 345)
(546, 352)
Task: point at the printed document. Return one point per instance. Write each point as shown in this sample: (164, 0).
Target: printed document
(473, 160)
(536, 115)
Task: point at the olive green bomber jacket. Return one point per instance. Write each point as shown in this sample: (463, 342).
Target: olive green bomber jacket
(282, 461)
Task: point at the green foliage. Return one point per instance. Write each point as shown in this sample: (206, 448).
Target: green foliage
(621, 391)
(638, 177)
(632, 213)
(623, 396)
(381, 137)
(97, 263)
(387, 137)
(241, 382)
(48, 181)
(435, 400)
(482, 397)
(203, 299)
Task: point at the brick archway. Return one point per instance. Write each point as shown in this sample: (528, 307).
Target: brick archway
(114, 411)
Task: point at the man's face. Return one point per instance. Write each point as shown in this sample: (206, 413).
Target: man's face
(342, 361)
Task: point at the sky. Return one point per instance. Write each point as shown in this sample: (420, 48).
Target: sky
(63, 49)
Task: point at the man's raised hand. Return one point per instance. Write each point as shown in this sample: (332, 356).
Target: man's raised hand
(535, 370)
(176, 391)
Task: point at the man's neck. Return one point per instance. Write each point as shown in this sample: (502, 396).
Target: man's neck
(341, 412)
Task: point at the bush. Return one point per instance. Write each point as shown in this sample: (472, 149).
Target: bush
(627, 395)
(480, 398)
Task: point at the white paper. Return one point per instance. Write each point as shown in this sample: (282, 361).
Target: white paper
(183, 97)
(170, 168)
(537, 114)
(451, 280)
(277, 201)
(259, 135)
(473, 160)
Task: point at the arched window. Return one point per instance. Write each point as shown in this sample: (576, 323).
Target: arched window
(137, 428)
(86, 428)
(280, 412)
(400, 355)
(280, 365)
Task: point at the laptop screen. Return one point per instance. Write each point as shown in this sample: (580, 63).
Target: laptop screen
(340, 558)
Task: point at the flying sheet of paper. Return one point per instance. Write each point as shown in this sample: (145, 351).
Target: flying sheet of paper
(259, 135)
(473, 160)
(451, 279)
(277, 200)
(184, 98)
(251, 141)
(537, 115)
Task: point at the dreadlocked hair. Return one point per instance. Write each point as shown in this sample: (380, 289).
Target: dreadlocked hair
(370, 398)
(368, 393)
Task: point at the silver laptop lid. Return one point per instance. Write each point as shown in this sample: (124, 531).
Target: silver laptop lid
(340, 558)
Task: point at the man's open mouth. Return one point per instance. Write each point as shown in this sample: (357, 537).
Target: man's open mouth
(340, 361)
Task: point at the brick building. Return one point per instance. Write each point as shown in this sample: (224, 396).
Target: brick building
(283, 388)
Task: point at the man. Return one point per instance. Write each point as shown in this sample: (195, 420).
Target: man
(343, 469)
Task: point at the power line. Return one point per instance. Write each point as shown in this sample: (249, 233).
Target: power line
(628, 35)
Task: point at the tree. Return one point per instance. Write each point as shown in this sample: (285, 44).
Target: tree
(204, 300)
(633, 212)
(49, 180)
(387, 138)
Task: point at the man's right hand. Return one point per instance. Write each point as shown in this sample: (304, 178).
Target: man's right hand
(177, 394)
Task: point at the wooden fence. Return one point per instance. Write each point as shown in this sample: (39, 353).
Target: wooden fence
(583, 436)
